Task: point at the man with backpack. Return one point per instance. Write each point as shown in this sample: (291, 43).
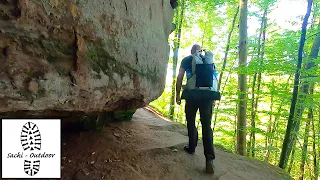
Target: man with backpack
(199, 93)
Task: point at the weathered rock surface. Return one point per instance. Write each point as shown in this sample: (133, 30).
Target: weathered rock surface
(82, 55)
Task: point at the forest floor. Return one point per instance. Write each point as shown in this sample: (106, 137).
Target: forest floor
(150, 147)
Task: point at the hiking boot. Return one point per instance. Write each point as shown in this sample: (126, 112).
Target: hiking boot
(188, 150)
(210, 167)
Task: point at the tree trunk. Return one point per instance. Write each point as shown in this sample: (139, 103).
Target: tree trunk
(176, 47)
(242, 106)
(249, 144)
(222, 90)
(293, 124)
(254, 102)
(275, 125)
(305, 90)
(291, 161)
(270, 117)
(227, 48)
(273, 128)
(204, 34)
(313, 54)
(253, 122)
(318, 161)
(275, 155)
(314, 149)
(225, 61)
(305, 146)
(235, 130)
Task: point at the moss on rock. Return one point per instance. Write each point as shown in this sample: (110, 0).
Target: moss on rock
(124, 115)
(96, 121)
(100, 60)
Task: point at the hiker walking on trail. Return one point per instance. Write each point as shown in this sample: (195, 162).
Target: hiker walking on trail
(199, 93)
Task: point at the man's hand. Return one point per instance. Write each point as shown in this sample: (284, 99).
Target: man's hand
(213, 103)
(178, 85)
(178, 100)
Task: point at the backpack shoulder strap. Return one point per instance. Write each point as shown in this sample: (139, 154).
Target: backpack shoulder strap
(193, 64)
(203, 60)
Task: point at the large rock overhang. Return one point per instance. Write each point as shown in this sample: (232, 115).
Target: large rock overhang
(60, 56)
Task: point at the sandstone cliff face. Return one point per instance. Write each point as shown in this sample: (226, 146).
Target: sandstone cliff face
(82, 55)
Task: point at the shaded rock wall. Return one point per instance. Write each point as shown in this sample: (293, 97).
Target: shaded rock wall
(82, 55)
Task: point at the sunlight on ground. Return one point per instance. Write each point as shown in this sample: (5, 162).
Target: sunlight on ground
(156, 113)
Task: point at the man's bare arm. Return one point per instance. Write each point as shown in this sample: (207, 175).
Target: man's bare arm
(179, 81)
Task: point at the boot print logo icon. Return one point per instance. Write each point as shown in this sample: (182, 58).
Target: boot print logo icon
(31, 148)
(31, 141)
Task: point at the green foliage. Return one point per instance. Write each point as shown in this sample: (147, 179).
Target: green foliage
(125, 115)
(208, 23)
(162, 104)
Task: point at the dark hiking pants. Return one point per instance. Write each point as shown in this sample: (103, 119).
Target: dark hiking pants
(205, 108)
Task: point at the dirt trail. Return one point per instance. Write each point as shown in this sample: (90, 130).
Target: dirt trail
(145, 148)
